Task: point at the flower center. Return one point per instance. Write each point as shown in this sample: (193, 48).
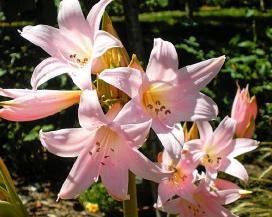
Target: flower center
(178, 177)
(211, 160)
(105, 145)
(153, 101)
(196, 210)
(78, 61)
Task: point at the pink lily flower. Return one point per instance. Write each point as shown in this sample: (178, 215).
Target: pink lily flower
(217, 150)
(180, 183)
(74, 46)
(28, 105)
(208, 202)
(106, 146)
(165, 93)
(244, 111)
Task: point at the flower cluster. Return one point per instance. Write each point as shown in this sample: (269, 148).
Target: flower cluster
(119, 102)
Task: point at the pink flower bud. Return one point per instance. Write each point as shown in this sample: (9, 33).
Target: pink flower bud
(244, 111)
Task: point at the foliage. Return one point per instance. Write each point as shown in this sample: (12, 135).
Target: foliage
(10, 203)
(99, 195)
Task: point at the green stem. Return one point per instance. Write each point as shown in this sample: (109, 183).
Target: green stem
(131, 206)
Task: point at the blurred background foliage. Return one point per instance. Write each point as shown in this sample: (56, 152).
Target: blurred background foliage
(200, 29)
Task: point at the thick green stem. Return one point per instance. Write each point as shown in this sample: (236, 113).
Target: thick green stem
(131, 206)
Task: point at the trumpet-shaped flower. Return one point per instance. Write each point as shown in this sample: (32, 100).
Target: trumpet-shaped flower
(29, 105)
(180, 183)
(73, 46)
(244, 111)
(216, 150)
(207, 201)
(106, 146)
(165, 93)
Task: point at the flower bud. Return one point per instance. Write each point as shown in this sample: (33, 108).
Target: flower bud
(244, 111)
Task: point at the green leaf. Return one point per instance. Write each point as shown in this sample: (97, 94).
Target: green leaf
(247, 44)
(7, 210)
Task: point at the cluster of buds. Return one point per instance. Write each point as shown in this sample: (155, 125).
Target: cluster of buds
(118, 108)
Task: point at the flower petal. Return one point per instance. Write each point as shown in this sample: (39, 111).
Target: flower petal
(70, 17)
(205, 130)
(116, 164)
(43, 36)
(166, 190)
(243, 145)
(234, 168)
(15, 93)
(39, 104)
(103, 42)
(223, 135)
(84, 172)
(143, 167)
(136, 133)
(173, 141)
(126, 79)
(197, 76)
(172, 206)
(163, 61)
(95, 15)
(132, 113)
(47, 69)
(90, 113)
(66, 142)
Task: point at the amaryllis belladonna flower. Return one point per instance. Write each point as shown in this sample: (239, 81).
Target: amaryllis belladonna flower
(217, 150)
(244, 111)
(208, 201)
(165, 93)
(73, 46)
(106, 146)
(180, 183)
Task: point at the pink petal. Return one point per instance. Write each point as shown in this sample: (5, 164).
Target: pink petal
(197, 76)
(15, 93)
(234, 168)
(83, 174)
(143, 167)
(172, 206)
(116, 185)
(43, 36)
(195, 148)
(70, 17)
(228, 192)
(188, 107)
(223, 135)
(95, 15)
(103, 42)
(136, 133)
(126, 79)
(166, 191)
(82, 78)
(90, 112)
(38, 104)
(47, 69)
(66, 142)
(132, 113)
(113, 112)
(242, 145)
(163, 61)
(173, 141)
(205, 130)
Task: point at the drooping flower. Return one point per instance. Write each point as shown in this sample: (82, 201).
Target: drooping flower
(180, 183)
(106, 146)
(28, 105)
(207, 201)
(74, 46)
(165, 93)
(244, 111)
(217, 150)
